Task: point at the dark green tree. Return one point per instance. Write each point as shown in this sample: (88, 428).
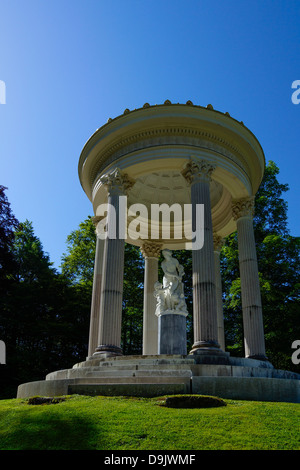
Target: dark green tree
(8, 225)
(78, 263)
(43, 323)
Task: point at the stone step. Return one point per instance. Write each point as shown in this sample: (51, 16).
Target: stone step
(98, 373)
(206, 370)
(133, 367)
(129, 389)
(198, 370)
(133, 380)
(240, 388)
(133, 362)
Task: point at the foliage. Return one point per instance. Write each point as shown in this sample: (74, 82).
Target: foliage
(8, 225)
(41, 316)
(77, 265)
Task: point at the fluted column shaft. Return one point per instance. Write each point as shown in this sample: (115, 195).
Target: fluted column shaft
(218, 242)
(204, 289)
(151, 251)
(96, 294)
(250, 288)
(109, 339)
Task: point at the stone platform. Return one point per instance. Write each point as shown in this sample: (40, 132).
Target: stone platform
(207, 374)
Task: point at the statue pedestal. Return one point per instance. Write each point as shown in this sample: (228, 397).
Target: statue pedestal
(172, 334)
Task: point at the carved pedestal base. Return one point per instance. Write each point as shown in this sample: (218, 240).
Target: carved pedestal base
(172, 334)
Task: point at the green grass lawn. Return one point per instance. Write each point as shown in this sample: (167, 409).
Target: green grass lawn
(120, 423)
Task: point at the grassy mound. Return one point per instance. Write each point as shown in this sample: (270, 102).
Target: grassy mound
(45, 400)
(192, 401)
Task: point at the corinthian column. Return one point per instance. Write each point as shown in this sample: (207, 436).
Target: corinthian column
(96, 294)
(151, 252)
(109, 339)
(243, 210)
(198, 174)
(218, 243)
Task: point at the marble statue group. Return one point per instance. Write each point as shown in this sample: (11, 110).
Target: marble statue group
(170, 293)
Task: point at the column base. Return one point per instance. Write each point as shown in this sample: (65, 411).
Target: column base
(206, 347)
(209, 353)
(108, 350)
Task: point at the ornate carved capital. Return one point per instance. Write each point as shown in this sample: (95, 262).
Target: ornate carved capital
(151, 249)
(96, 219)
(195, 171)
(218, 242)
(243, 208)
(117, 180)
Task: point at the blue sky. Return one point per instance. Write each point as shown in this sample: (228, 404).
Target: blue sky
(69, 65)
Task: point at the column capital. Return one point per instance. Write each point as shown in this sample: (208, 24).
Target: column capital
(118, 181)
(218, 241)
(96, 219)
(197, 170)
(243, 208)
(151, 249)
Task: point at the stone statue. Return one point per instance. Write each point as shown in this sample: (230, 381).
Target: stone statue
(170, 294)
(159, 293)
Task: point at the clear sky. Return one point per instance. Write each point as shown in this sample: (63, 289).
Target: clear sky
(69, 65)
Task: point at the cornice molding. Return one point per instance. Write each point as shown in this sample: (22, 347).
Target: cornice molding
(175, 131)
(167, 104)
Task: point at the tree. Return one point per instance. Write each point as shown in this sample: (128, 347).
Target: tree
(78, 263)
(42, 320)
(8, 224)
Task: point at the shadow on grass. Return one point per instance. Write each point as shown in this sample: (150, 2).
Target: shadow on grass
(50, 429)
